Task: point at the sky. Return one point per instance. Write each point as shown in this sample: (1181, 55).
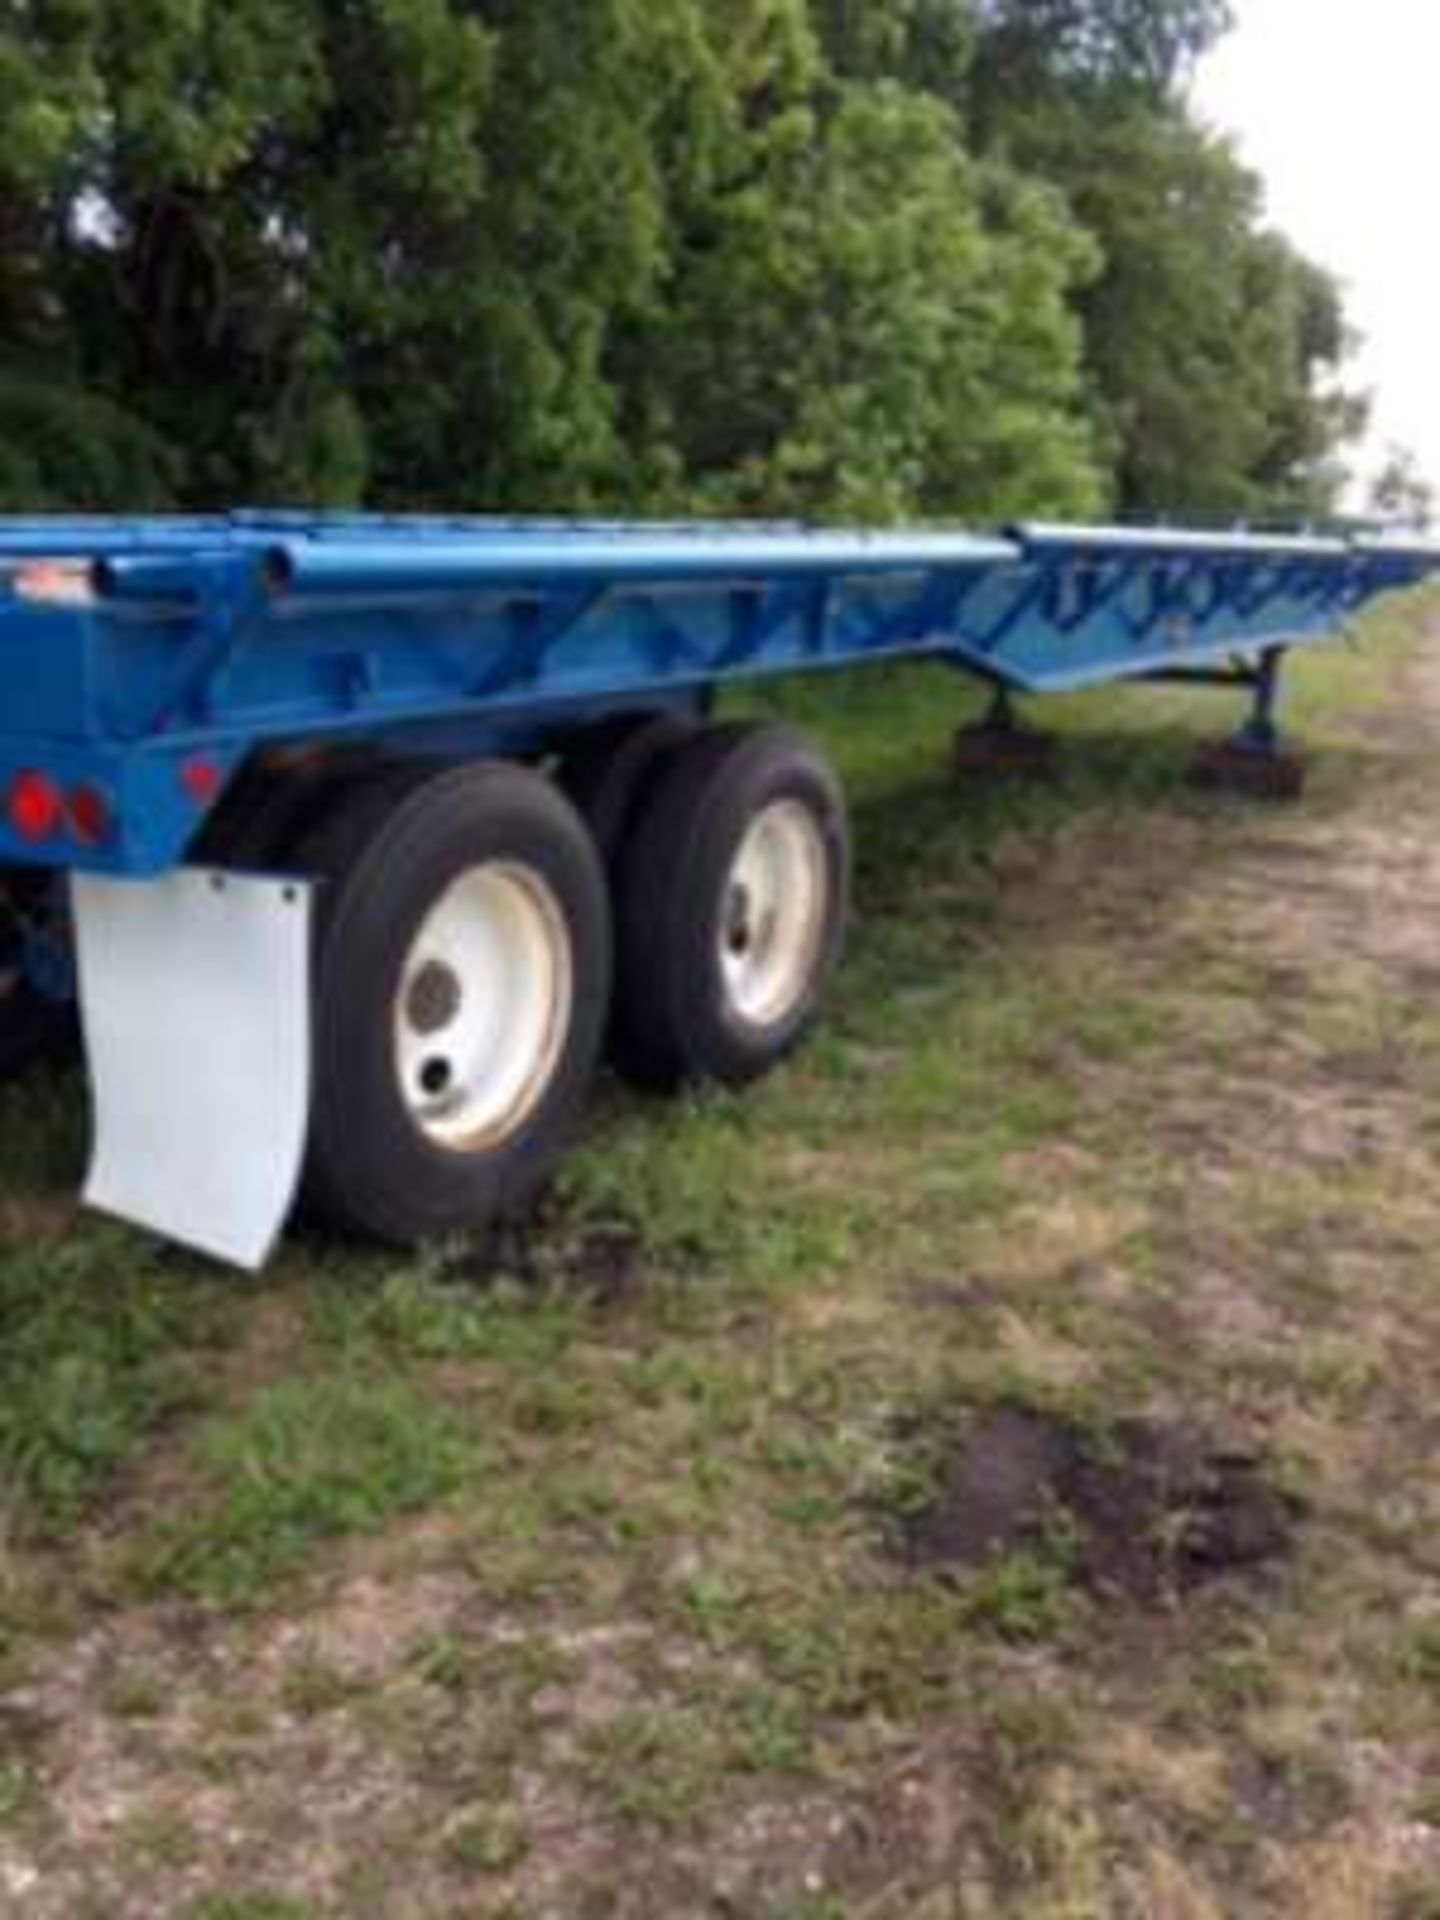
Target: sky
(1336, 103)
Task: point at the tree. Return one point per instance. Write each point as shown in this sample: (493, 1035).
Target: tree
(899, 257)
(1213, 348)
(65, 439)
(926, 45)
(1402, 492)
(1210, 342)
(1140, 46)
(863, 321)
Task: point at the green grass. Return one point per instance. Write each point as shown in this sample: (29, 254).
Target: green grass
(596, 1545)
(307, 1460)
(250, 1906)
(98, 1348)
(1423, 1656)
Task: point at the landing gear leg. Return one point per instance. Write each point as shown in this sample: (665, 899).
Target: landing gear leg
(1259, 761)
(1002, 744)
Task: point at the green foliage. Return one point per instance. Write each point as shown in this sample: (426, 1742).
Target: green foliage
(1210, 341)
(1131, 45)
(64, 448)
(953, 258)
(871, 325)
(1401, 493)
(1212, 347)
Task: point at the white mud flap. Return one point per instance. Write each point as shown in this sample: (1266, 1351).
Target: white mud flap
(195, 997)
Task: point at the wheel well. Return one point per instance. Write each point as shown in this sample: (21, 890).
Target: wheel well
(278, 798)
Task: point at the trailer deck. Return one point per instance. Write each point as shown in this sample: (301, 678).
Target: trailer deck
(142, 662)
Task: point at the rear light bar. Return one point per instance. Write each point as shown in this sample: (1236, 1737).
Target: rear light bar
(90, 815)
(36, 806)
(39, 809)
(45, 809)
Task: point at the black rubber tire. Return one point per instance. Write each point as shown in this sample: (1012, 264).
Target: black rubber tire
(383, 859)
(270, 810)
(674, 1024)
(34, 1027)
(608, 770)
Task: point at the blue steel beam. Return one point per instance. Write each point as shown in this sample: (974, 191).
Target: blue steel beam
(212, 636)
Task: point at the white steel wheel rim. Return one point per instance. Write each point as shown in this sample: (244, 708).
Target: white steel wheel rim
(484, 1007)
(773, 915)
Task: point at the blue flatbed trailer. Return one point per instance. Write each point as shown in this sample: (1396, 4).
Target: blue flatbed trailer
(222, 736)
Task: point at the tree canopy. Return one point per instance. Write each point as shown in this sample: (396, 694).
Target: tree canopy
(877, 258)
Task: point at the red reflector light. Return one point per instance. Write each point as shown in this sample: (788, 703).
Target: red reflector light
(202, 780)
(89, 815)
(36, 806)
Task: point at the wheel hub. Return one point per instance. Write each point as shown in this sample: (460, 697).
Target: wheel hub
(776, 906)
(433, 999)
(738, 931)
(484, 1006)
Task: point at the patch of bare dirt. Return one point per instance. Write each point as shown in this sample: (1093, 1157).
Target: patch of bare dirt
(604, 1261)
(174, 1750)
(1140, 1509)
